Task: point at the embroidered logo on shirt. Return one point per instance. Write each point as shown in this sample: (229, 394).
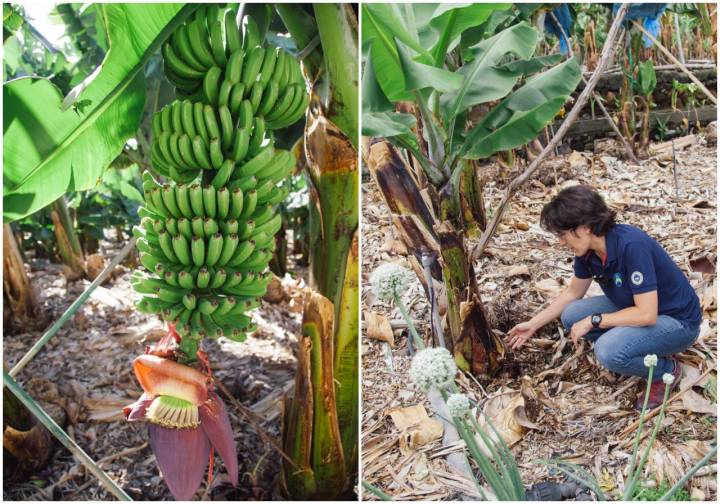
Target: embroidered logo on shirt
(618, 280)
(636, 278)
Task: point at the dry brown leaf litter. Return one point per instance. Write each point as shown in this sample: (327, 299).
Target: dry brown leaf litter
(579, 408)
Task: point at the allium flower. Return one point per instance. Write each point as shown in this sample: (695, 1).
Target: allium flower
(668, 378)
(650, 360)
(458, 405)
(186, 420)
(389, 279)
(432, 367)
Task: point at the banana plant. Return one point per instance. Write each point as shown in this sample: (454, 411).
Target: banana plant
(476, 88)
(320, 427)
(646, 83)
(207, 232)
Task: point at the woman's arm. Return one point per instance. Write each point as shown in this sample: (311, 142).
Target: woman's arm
(518, 335)
(576, 290)
(644, 313)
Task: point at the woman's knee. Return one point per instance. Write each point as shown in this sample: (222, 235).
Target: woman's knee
(610, 353)
(571, 314)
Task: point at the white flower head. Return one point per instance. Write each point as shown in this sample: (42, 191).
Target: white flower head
(388, 280)
(458, 405)
(668, 378)
(432, 367)
(650, 360)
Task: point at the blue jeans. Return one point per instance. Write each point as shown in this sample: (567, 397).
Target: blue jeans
(622, 349)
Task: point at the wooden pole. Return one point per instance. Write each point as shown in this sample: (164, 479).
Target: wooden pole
(672, 58)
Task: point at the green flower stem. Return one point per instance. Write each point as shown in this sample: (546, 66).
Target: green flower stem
(376, 491)
(689, 474)
(636, 444)
(72, 309)
(62, 436)
(504, 459)
(488, 471)
(632, 484)
(411, 327)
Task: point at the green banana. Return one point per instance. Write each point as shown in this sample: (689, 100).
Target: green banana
(181, 43)
(251, 34)
(242, 252)
(229, 227)
(177, 65)
(209, 201)
(196, 200)
(188, 121)
(218, 278)
(230, 244)
(269, 97)
(222, 198)
(250, 202)
(182, 249)
(183, 201)
(210, 226)
(211, 85)
(211, 122)
(236, 203)
(217, 44)
(198, 228)
(199, 149)
(198, 36)
(223, 174)
(232, 34)
(184, 228)
(214, 248)
(224, 93)
(216, 155)
(256, 164)
(203, 278)
(197, 247)
(258, 136)
(268, 66)
(226, 123)
(233, 70)
(199, 122)
(253, 63)
(236, 97)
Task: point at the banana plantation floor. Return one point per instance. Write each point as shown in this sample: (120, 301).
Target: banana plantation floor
(550, 401)
(84, 376)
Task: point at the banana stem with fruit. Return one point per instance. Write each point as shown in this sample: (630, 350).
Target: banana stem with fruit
(207, 234)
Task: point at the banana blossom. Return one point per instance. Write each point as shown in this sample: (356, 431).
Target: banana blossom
(186, 420)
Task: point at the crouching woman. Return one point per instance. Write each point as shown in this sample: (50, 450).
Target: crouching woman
(648, 306)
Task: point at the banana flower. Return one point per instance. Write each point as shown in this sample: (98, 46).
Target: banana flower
(186, 420)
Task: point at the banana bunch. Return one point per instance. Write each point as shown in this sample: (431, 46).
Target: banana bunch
(206, 237)
(210, 59)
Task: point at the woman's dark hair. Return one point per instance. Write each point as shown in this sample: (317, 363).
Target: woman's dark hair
(576, 206)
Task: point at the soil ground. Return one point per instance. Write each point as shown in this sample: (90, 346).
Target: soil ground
(551, 401)
(84, 377)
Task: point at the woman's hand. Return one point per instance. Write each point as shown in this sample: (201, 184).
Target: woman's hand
(518, 335)
(580, 329)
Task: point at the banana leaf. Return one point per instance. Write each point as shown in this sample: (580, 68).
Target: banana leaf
(521, 116)
(51, 148)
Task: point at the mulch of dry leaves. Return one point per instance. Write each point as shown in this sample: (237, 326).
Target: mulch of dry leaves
(550, 401)
(83, 377)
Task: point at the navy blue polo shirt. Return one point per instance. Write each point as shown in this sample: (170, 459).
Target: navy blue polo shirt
(636, 264)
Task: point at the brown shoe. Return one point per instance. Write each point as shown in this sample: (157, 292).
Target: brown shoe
(657, 389)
